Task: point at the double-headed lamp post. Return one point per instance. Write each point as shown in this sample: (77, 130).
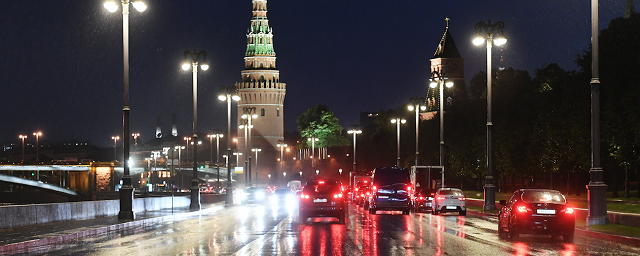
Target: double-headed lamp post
(126, 191)
(479, 39)
(256, 149)
(437, 79)
(414, 105)
(228, 94)
(115, 147)
(281, 145)
(135, 138)
(249, 113)
(22, 137)
(354, 132)
(194, 57)
(217, 134)
(398, 121)
(313, 149)
(37, 134)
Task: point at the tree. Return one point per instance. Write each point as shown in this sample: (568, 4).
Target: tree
(319, 122)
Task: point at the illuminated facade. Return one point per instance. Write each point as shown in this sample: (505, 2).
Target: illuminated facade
(261, 88)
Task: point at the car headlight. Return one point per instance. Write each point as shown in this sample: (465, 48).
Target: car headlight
(259, 195)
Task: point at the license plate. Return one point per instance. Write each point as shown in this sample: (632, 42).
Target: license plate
(320, 200)
(451, 208)
(545, 211)
(383, 196)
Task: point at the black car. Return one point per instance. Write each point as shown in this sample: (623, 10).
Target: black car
(390, 190)
(323, 198)
(536, 211)
(422, 200)
(252, 194)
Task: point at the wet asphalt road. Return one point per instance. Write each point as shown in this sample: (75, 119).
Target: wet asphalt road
(268, 229)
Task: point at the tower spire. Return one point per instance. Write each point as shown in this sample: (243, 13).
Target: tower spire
(628, 10)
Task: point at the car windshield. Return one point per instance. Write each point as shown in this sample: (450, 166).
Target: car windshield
(543, 196)
(282, 191)
(451, 192)
(390, 176)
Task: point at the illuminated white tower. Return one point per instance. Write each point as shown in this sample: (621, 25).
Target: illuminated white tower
(261, 88)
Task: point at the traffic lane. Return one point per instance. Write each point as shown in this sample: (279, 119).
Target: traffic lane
(423, 233)
(234, 230)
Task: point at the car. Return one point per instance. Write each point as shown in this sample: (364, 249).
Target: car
(361, 193)
(422, 200)
(449, 200)
(282, 196)
(252, 194)
(536, 211)
(322, 198)
(390, 190)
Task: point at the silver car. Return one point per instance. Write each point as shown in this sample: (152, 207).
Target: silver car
(449, 200)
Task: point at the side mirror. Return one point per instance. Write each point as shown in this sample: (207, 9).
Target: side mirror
(503, 202)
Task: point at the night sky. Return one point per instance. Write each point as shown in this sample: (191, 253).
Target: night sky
(61, 61)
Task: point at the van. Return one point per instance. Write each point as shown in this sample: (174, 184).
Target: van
(391, 190)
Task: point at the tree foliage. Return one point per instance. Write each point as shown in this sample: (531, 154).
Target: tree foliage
(319, 122)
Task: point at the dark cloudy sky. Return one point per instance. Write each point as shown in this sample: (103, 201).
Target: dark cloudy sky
(61, 61)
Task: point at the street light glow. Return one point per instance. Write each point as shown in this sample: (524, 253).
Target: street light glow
(204, 66)
(140, 6)
(185, 66)
(449, 84)
(110, 6)
(478, 40)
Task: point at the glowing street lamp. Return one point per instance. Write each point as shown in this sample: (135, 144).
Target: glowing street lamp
(37, 134)
(217, 135)
(135, 138)
(417, 107)
(22, 137)
(398, 121)
(488, 29)
(115, 147)
(317, 172)
(248, 113)
(228, 94)
(438, 79)
(354, 132)
(313, 149)
(281, 145)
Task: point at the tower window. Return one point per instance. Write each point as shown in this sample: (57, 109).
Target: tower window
(262, 112)
(278, 112)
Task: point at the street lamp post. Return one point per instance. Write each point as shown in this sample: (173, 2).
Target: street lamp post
(281, 145)
(244, 126)
(249, 113)
(194, 57)
(115, 147)
(22, 137)
(597, 189)
(488, 29)
(415, 106)
(313, 149)
(135, 138)
(317, 172)
(179, 148)
(37, 134)
(398, 121)
(437, 79)
(354, 132)
(217, 134)
(228, 94)
(256, 149)
(126, 191)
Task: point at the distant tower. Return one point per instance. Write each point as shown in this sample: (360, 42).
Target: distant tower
(174, 127)
(448, 60)
(261, 88)
(628, 10)
(158, 128)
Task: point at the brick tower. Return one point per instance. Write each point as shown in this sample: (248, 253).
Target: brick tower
(261, 89)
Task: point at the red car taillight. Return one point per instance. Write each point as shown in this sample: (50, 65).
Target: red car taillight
(337, 195)
(420, 198)
(303, 196)
(461, 198)
(522, 209)
(569, 210)
(440, 198)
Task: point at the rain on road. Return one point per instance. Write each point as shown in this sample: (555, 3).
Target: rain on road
(269, 229)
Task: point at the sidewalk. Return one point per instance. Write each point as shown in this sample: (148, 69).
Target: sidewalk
(22, 239)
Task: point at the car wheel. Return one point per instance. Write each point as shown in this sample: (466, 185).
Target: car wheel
(463, 213)
(568, 237)
(513, 233)
(302, 217)
(501, 233)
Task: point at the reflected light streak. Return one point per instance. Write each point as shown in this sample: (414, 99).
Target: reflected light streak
(337, 236)
(305, 237)
(461, 232)
(569, 250)
(521, 249)
(323, 242)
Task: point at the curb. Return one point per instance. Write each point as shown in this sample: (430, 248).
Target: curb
(33, 245)
(583, 232)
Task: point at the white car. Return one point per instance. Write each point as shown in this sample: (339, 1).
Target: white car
(449, 200)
